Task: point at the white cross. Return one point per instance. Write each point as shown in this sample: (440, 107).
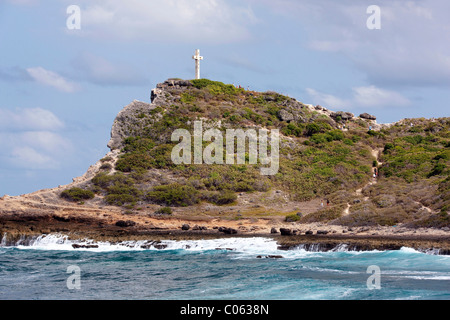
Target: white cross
(197, 59)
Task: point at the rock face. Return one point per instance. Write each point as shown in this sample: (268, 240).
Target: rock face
(367, 116)
(127, 119)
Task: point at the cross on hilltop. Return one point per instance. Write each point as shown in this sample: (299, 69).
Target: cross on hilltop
(197, 59)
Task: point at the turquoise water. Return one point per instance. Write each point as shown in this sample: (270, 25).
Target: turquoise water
(216, 269)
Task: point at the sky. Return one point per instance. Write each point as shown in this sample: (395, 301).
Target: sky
(65, 74)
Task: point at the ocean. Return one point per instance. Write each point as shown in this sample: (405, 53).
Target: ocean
(50, 268)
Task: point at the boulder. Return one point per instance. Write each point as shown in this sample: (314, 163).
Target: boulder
(285, 115)
(185, 227)
(273, 230)
(309, 232)
(285, 231)
(367, 116)
(227, 230)
(321, 232)
(124, 224)
(343, 115)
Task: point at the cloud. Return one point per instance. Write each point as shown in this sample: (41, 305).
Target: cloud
(369, 96)
(31, 119)
(52, 79)
(372, 96)
(214, 21)
(410, 50)
(31, 139)
(100, 71)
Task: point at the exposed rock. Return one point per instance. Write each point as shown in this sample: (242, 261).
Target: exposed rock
(270, 256)
(344, 115)
(285, 231)
(285, 115)
(124, 224)
(309, 232)
(185, 227)
(84, 246)
(321, 232)
(273, 230)
(228, 230)
(367, 116)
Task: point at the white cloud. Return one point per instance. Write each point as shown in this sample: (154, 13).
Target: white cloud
(215, 21)
(410, 49)
(369, 96)
(372, 96)
(29, 119)
(28, 157)
(52, 79)
(30, 139)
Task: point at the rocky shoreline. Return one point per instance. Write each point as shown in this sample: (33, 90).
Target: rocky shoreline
(23, 229)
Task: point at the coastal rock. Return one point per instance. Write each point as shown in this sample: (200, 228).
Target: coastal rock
(124, 224)
(321, 232)
(270, 256)
(84, 246)
(309, 232)
(185, 227)
(228, 230)
(285, 231)
(273, 230)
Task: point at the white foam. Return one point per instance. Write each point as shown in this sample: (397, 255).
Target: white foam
(255, 245)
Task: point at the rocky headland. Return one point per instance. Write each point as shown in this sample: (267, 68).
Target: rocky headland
(324, 196)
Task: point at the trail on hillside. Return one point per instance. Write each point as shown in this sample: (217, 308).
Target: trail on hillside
(374, 180)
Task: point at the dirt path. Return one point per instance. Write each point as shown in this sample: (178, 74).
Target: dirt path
(376, 154)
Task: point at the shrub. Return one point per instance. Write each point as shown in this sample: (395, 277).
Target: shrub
(292, 217)
(77, 194)
(220, 198)
(133, 161)
(164, 210)
(119, 199)
(174, 195)
(437, 170)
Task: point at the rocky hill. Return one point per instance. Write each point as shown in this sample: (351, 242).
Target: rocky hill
(324, 155)
(324, 180)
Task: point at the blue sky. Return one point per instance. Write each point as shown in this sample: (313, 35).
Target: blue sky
(61, 89)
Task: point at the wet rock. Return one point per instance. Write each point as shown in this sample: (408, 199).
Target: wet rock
(84, 246)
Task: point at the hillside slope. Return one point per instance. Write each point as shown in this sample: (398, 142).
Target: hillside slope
(323, 155)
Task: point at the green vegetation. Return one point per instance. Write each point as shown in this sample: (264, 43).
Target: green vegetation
(317, 159)
(77, 194)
